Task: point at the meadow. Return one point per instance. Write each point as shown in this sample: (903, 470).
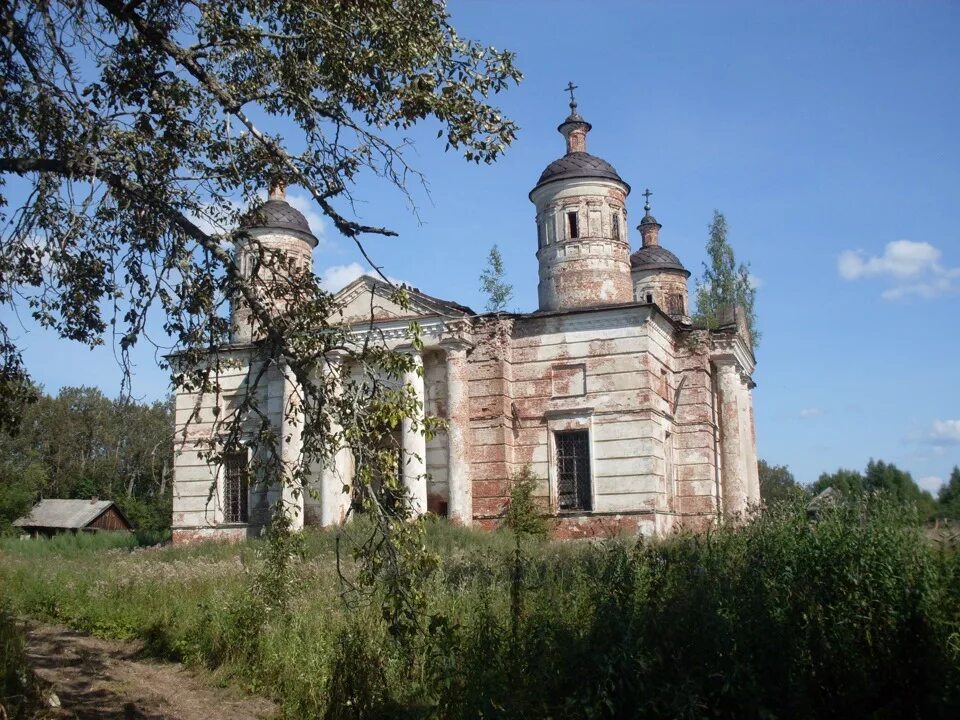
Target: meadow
(856, 615)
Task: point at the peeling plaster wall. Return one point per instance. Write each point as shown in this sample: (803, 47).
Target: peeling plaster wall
(614, 373)
(196, 503)
(662, 286)
(594, 268)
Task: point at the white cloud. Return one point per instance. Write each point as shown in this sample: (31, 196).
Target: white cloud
(305, 204)
(931, 483)
(945, 432)
(913, 267)
(811, 412)
(337, 277)
(755, 282)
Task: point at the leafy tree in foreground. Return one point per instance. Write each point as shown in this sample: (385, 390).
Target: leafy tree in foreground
(128, 128)
(777, 483)
(492, 284)
(724, 284)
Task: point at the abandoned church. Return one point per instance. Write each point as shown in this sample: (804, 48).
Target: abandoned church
(634, 419)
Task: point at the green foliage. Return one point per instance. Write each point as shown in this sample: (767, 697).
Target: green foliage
(492, 282)
(80, 444)
(725, 285)
(949, 496)
(524, 515)
(880, 477)
(19, 690)
(853, 616)
(777, 483)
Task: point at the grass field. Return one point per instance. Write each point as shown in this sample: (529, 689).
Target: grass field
(856, 616)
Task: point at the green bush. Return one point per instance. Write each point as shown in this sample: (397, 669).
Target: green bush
(524, 516)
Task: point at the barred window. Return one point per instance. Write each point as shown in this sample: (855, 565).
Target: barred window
(615, 225)
(573, 470)
(573, 225)
(236, 486)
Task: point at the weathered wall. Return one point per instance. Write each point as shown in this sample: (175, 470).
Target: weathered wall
(258, 254)
(197, 497)
(663, 287)
(594, 268)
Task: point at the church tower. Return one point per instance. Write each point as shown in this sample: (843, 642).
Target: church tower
(583, 250)
(658, 275)
(276, 245)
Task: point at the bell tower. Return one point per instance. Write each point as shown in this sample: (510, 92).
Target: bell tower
(582, 247)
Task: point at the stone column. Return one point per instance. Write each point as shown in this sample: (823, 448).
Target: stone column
(415, 443)
(458, 423)
(749, 444)
(734, 480)
(291, 448)
(334, 502)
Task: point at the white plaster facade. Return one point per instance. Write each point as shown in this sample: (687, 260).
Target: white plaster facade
(606, 388)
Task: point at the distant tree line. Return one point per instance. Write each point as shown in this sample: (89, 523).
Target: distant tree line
(81, 444)
(777, 484)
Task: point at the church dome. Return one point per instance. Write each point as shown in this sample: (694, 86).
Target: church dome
(655, 257)
(579, 165)
(277, 214)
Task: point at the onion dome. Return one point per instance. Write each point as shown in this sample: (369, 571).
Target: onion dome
(578, 165)
(656, 257)
(277, 214)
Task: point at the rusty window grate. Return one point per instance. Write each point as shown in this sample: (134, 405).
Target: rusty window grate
(615, 219)
(236, 487)
(573, 470)
(573, 225)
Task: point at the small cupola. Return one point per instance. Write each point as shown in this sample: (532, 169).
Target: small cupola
(659, 278)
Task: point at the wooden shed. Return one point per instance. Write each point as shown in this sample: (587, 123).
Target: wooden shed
(50, 517)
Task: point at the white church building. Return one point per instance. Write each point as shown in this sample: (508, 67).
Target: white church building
(634, 419)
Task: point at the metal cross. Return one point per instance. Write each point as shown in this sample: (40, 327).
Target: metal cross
(570, 88)
(646, 193)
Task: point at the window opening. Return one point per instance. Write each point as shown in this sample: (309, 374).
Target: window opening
(649, 297)
(676, 304)
(236, 486)
(615, 220)
(573, 470)
(572, 225)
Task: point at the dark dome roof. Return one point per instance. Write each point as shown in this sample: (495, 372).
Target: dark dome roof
(277, 214)
(654, 257)
(649, 219)
(579, 165)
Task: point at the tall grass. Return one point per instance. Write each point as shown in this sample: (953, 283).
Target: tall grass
(854, 616)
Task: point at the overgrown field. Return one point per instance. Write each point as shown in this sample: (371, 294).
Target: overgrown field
(855, 616)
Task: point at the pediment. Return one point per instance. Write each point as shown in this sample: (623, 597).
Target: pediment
(367, 297)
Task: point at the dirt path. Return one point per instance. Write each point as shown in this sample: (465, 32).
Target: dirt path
(102, 679)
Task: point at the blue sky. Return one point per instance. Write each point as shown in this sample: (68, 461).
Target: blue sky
(827, 133)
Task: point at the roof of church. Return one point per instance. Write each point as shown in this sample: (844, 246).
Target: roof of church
(279, 214)
(655, 257)
(579, 165)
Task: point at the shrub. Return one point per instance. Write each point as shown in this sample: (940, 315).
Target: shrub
(524, 515)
